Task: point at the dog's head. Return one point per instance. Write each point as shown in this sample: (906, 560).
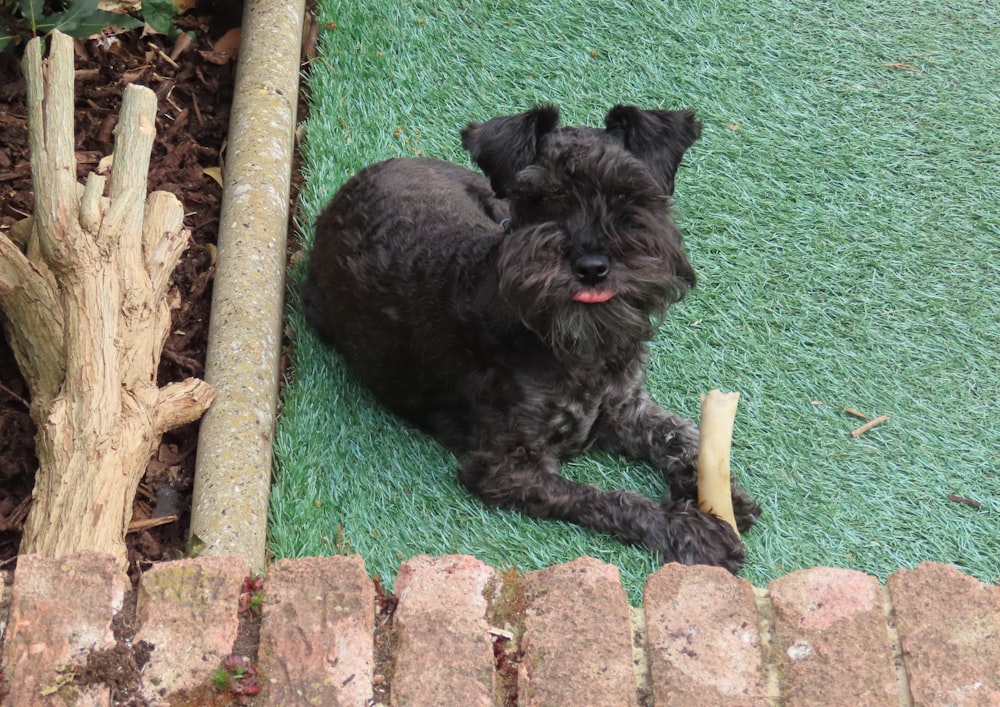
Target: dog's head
(592, 259)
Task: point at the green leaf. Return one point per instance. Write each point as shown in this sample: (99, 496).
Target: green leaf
(31, 10)
(6, 42)
(159, 14)
(69, 20)
(101, 19)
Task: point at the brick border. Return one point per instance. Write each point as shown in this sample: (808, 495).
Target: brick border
(822, 636)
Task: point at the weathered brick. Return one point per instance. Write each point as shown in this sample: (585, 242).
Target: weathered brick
(61, 608)
(444, 650)
(833, 643)
(316, 633)
(187, 610)
(577, 637)
(949, 631)
(702, 638)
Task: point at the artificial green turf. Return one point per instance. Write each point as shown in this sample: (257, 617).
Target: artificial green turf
(841, 210)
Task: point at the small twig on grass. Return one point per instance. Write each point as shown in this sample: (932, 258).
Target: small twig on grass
(856, 413)
(902, 66)
(869, 425)
(965, 501)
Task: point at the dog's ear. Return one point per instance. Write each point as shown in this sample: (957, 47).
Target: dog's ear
(504, 146)
(657, 137)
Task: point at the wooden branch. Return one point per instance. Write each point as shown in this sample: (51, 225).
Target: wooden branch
(33, 321)
(718, 415)
(143, 324)
(181, 403)
(88, 314)
(93, 204)
(133, 137)
(164, 238)
(34, 249)
(50, 86)
(137, 526)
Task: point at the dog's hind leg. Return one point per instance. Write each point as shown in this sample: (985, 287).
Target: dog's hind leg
(530, 483)
(640, 429)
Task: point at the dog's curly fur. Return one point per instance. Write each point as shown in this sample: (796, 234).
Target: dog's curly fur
(508, 318)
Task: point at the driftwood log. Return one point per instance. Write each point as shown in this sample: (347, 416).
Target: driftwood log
(84, 305)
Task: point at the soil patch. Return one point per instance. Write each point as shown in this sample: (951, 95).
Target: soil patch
(118, 667)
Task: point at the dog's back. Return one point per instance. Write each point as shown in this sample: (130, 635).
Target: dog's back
(383, 246)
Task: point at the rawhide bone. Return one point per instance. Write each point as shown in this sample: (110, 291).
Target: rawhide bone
(718, 413)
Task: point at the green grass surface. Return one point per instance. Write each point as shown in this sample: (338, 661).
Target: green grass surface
(841, 209)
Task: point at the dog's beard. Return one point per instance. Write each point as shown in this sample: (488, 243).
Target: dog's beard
(591, 330)
(535, 281)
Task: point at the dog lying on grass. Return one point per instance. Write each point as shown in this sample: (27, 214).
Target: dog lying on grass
(509, 317)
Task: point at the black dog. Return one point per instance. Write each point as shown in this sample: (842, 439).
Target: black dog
(509, 318)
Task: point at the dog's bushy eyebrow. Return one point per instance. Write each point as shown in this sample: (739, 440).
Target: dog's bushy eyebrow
(505, 145)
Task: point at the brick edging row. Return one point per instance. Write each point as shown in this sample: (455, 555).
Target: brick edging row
(463, 633)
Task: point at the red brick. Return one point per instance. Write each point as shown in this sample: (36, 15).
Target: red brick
(316, 633)
(444, 650)
(187, 610)
(702, 638)
(949, 631)
(832, 638)
(577, 637)
(60, 609)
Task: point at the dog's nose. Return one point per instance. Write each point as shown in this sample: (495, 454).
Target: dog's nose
(591, 269)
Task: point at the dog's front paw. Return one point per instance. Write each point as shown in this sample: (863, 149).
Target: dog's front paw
(678, 459)
(746, 510)
(683, 441)
(690, 537)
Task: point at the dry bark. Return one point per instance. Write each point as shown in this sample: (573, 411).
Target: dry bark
(85, 311)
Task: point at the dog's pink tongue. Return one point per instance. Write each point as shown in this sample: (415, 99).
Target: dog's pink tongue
(591, 296)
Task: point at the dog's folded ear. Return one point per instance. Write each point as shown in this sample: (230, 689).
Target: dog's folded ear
(657, 137)
(504, 146)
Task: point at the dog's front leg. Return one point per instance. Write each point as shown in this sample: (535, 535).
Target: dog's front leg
(530, 483)
(640, 429)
